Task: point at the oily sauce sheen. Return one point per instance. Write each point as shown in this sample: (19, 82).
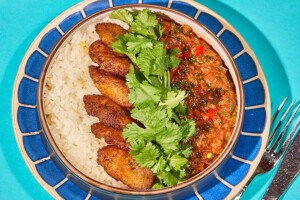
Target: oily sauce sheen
(211, 100)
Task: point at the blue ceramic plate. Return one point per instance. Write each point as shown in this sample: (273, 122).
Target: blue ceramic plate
(251, 142)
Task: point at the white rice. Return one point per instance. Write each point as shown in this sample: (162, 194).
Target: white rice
(67, 82)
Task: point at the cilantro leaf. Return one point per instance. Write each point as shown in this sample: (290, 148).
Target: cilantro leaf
(123, 15)
(145, 31)
(177, 162)
(152, 61)
(168, 178)
(144, 93)
(141, 92)
(182, 174)
(120, 47)
(187, 151)
(173, 61)
(158, 31)
(134, 133)
(174, 98)
(158, 185)
(151, 91)
(131, 80)
(153, 119)
(147, 156)
(173, 52)
(146, 18)
(187, 129)
(160, 165)
(181, 109)
(134, 43)
(154, 80)
(169, 138)
(136, 147)
(144, 24)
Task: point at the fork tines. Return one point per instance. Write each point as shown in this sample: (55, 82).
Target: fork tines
(279, 137)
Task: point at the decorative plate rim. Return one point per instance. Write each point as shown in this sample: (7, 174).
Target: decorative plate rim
(80, 8)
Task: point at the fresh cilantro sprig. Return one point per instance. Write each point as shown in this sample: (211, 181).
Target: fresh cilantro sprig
(141, 22)
(161, 143)
(141, 44)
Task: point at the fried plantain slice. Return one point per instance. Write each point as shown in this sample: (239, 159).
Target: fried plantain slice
(108, 32)
(107, 111)
(119, 164)
(111, 86)
(111, 135)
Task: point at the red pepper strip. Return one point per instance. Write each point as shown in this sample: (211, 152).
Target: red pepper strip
(211, 114)
(199, 50)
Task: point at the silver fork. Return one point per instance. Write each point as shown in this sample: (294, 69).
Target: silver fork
(271, 155)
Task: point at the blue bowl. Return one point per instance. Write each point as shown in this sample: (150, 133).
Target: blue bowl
(222, 179)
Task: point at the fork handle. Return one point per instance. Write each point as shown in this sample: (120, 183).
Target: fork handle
(288, 170)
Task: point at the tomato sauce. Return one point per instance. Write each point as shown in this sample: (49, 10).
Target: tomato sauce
(211, 100)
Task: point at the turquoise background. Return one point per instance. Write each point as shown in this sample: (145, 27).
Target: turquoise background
(271, 28)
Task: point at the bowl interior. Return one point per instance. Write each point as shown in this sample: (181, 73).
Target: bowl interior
(181, 19)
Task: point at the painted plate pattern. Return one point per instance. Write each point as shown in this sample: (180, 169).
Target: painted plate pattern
(236, 170)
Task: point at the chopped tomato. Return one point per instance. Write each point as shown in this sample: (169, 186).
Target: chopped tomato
(199, 50)
(220, 135)
(211, 114)
(185, 55)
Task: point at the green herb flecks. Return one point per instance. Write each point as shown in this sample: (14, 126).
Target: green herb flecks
(161, 144)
